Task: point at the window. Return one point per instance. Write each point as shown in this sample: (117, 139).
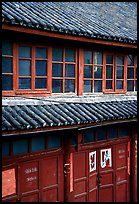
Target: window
(42, 70)
(7, 65)
(63, 70)
(114, 73)
(131, 73)
(32, 68)
(89, 135)
(93, 69)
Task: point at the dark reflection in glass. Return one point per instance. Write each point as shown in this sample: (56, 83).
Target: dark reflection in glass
(69, 86)
(87, 71)
(97, 86)
(37, 144)
(101, 133)
(41, 53)
(98, 72)
(24, 52)
(20, 146)
(109, 59)
(119, 72)
(24, 68)
(56, 86)
(57, 70)
(109, 72)
(119, 84)
(7, 65)
(123, 131)
(130, 85)
(130, 60)
(6, 47)
(112, 132)
(54, 141)
(89, 135)
(7, 82)
(40, 83)
(24, 83)
(87, 57)
(108, 84)
(97, 57)
(41, 69)
(57, 54)
(70, 70)
(70, 55)
(87, 86)
(136, 85)
(120, 60)
(130, 73)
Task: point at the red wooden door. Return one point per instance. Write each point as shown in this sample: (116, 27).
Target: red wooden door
(42, 180)
(105, 175)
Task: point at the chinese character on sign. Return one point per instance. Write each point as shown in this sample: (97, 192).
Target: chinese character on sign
(106, 158)
(92, 161)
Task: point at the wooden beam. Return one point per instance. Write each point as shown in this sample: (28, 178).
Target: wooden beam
(66, 36)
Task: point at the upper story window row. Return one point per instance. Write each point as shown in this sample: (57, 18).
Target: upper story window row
(45, 70)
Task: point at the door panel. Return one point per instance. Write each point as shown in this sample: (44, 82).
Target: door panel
(121, 173)
(80, 177)
(106, 175)
(52, 179)
(30, 181)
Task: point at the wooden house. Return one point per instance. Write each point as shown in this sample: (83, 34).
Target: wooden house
(69, 101)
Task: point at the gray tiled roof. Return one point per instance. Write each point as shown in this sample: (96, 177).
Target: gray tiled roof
(101, 20)
(28, 116)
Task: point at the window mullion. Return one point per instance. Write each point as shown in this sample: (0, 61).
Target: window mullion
(33, 65)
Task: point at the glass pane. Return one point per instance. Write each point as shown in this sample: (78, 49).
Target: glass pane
(57, 70)
(57, 54)
(57, 86)
(109, 59)
(40, 83)
(87, 86)
(119, 84)
(123, 131)
(20, 146)
(69, 86)
(6, 47)
(89, 136)
(130, 60)
(112, 132)
(24, 83)
(87, 57)
(108, 84)
(130, 85)
(54, 141)
(37, 144)
(87, 71)
(130, 73)
(73, 140)
(7, 65)
(70, 55)
(119, 72)
(7, 82)
(97, 86)
(41, 53)
(101, 133)
(120, 60)
(109, 72)
(98, 58)
(70, 70)
(24, 52)
(5, 149)
(97, 72)
(24, 68)
(41, 68)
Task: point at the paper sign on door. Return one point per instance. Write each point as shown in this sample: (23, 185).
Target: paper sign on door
(106, 159)
(92, 161)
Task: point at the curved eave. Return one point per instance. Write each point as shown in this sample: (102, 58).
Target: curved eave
(81, 37)
(65, 127)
